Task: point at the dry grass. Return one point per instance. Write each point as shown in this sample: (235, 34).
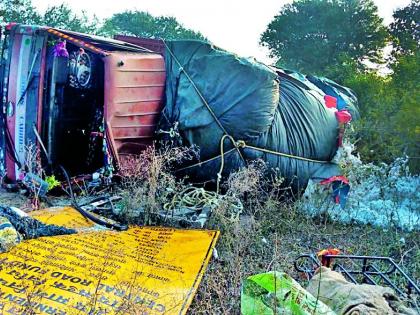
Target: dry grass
(147, 182)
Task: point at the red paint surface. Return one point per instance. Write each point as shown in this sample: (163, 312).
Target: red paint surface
(134, 92)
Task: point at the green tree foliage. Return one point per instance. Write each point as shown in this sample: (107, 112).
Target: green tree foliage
(61, 16)
(315, 36)
(406, 29)
(19, 11)
(390, 124)
(406, 85)
(144, 24)
(335, 38)
(377, 139)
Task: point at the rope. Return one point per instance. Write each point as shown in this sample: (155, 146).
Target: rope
(197, 198)
(192, 198)
(203, 162)
(222, 155)
(242, 144)
(181, 68)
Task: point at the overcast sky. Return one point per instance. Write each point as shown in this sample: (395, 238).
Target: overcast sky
(234, 25)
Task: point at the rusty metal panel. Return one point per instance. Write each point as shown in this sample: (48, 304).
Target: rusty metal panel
(134, 93)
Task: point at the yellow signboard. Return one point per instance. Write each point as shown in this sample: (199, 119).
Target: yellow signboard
(145, 270)
(63, 216)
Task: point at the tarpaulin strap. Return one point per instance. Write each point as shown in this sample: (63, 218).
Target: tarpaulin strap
(203, 162)
(222, 154)
(242, 144)
(181, 68)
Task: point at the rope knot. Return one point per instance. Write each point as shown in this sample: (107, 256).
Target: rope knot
(240, 144)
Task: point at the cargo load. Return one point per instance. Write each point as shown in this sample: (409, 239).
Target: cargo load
(237, 110)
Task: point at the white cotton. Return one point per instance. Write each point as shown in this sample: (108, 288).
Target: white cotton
(384, 196)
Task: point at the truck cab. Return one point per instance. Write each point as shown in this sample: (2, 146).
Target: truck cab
(83, 101)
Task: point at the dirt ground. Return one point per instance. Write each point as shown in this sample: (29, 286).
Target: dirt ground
(12, 199)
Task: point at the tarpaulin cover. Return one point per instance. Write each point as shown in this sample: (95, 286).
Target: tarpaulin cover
(265, 107)
(346, 99)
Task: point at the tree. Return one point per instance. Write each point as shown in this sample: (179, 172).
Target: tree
(316, 36)
(406, 29)
(406, 84)
(389, 127)
(19, 11)
(61, 16)
(143, 24)
(405, 32)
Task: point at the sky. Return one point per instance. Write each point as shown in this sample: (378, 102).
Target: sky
(235, 25)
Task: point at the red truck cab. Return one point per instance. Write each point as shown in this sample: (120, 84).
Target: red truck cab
(84, 101)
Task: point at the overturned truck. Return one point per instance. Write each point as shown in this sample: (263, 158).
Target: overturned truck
(87, 102)
(82, 99)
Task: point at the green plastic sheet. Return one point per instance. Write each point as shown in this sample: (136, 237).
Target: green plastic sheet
(277, 293)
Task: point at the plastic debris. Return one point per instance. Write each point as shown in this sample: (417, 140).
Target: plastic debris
(36, 184)
(277, 293)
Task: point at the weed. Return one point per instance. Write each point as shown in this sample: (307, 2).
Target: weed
(147, 182)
